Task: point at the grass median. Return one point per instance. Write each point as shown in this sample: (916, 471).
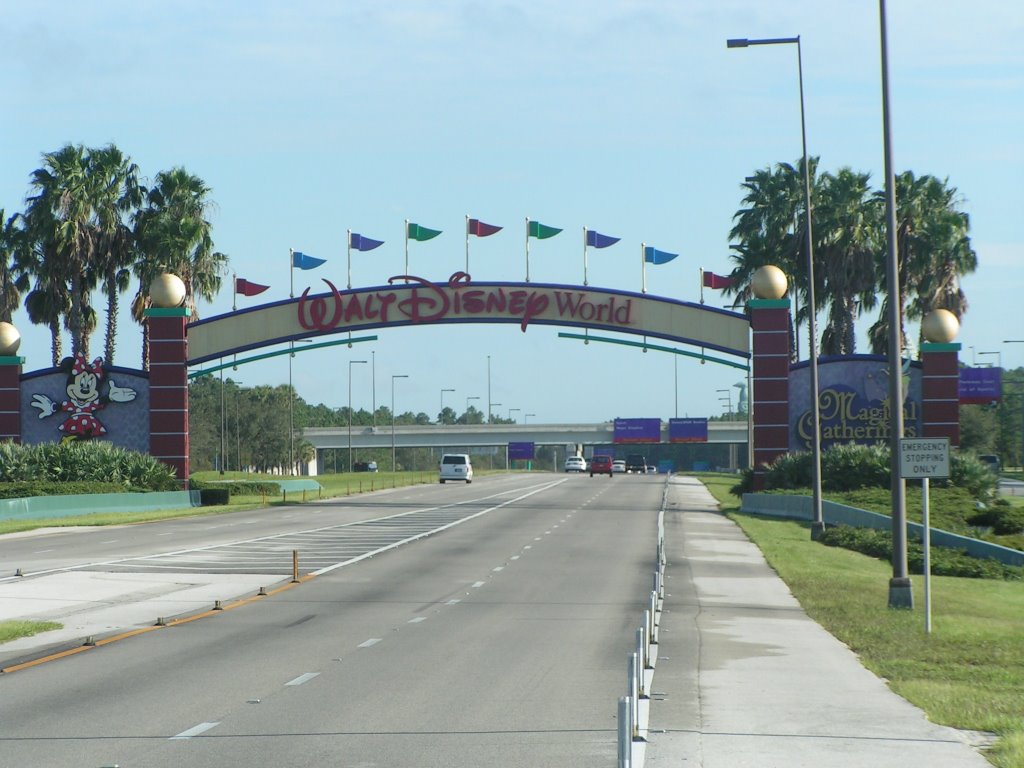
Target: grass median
(14, 629)
(967, 674)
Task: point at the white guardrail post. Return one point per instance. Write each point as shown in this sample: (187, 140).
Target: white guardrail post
(625, 732)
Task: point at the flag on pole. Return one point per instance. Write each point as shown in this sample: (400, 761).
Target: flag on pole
(478, 228)
(361, 243)
(597, 240)
(304, 261)
(248, 288)
(541, 231)
(418, 233)
(718, 282)
(654, 256)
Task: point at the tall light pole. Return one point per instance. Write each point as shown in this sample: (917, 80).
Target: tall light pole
(526, 417)
(727, 398)
(488, 389)
(442, 404)
(817, 521)
(394, 466)
(350, 364)
(901, 594)
(510, 410)
(471, 397)
(373, 386)
(238, 421)
(999, 358)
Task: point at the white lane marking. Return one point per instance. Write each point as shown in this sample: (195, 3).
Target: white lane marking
(368, 643)
(536, 538)
(303, 678)
(194, 731)
(547, 533)
(165, 534)
(41, 551)
(417, 620)
(478, 584)
(528, 546)
(555, 525)
(514, 557)
(112, 541)
(453, 602)
(499, 568)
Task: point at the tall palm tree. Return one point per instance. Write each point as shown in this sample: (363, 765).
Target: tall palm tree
(60, 221)
(174, 234)
(117, 195)
(12, 281)
(933, 251)
(846, 223)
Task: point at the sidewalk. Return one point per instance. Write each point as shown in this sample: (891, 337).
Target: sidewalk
(745, 678)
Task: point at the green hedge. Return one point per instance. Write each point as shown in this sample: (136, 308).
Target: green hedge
(212, 497)
(85, 461)
(239, 487)
(27, 489)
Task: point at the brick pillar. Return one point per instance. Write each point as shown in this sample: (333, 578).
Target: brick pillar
(940, 391)
(769, 398)
(168, 389)
(10, 398)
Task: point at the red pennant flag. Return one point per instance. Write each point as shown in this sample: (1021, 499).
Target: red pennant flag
(711, 280)
(247, 288)
(478, 228)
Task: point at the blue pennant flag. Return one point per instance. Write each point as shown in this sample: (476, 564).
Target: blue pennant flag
(302, 261)
(654, 256)
(597, 240)
(361, 243)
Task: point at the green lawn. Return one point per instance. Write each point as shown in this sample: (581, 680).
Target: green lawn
(968, 673)
(15, 628)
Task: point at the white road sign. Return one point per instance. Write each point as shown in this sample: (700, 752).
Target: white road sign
(924, 457)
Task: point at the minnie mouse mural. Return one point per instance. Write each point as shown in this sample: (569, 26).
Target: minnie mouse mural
(84, 399)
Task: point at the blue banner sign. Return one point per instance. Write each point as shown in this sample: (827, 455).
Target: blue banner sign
(520, 451)
(637, 431)
(980, 386)
(687, 430)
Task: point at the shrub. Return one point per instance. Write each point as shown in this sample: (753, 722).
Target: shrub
(212, 497)
(1003, 518)
(85, 461)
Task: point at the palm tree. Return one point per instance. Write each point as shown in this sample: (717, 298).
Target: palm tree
(12, 281)
(60, 223)
(934, 251)
(846, 223)
(117, 195)
(174, 235)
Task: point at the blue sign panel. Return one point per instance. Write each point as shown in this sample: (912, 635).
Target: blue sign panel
(520, 451)
(687, 430)
(981, 385)
(637, 431)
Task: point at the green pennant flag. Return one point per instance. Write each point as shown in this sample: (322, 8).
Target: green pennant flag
(542, 231)
(416, 232)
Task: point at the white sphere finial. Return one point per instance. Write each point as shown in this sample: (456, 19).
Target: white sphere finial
(10, 340)
(167, 291)
(769, 282)
(940, 326)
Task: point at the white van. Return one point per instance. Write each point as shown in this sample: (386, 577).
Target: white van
(455, 466)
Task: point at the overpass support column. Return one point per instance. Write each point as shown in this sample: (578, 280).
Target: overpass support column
(940, 391)
(168, 388)
(769, 398)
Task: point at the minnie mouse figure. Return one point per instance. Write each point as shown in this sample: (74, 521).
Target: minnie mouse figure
(84, 399)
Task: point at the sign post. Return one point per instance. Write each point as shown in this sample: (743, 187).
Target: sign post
(922, 459)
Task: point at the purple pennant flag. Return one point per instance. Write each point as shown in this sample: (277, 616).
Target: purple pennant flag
(361, 243)
(597, 240)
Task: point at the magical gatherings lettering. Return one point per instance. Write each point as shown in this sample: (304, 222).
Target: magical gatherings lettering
(421, 301)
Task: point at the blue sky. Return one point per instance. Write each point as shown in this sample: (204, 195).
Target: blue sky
(627, 116)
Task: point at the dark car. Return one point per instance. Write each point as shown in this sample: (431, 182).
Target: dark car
(636, 462)
(601, 465)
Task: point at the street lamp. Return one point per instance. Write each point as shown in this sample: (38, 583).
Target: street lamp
(489, 389)
(493, 405)
(999, 358)
(238, 421)
(350, 364)
(727, 398)
(817, 521)
(526, 417)
(442, 403)
(510, 410)
(394, 467)
(291, 407)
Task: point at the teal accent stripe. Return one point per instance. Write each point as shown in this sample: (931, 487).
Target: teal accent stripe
(656, 347)
(278, 353)
(768, 303)
(12, 360)
(167, 312)
(929, 346)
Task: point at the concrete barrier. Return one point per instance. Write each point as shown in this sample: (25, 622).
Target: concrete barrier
(41, 507)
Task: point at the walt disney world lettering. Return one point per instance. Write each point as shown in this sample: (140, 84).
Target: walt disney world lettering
(422, 301)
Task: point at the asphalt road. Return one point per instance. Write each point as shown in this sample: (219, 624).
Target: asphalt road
(501, 641)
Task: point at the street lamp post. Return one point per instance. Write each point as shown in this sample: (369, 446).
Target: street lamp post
(488, 389)
(727, 398)
(350, 364)
(510, 410)
(526, 417)
(471, 397)
(442, 404)
(999, 358)
(394, 466)
(817, 521)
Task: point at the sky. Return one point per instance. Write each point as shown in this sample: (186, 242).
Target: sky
(631, 117)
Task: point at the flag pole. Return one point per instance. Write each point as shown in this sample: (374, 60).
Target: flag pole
(584, 255)
(406, 250)
(348, 244)
(234, 292)
(643, 268)
(291, 273)
(467, 243)
(527, 249)
(701, 284)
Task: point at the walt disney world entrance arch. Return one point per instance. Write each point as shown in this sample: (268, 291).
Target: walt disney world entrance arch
(760, 335)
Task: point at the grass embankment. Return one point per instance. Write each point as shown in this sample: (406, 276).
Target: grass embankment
(16, 628)
(344, 484)
(968, 673)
